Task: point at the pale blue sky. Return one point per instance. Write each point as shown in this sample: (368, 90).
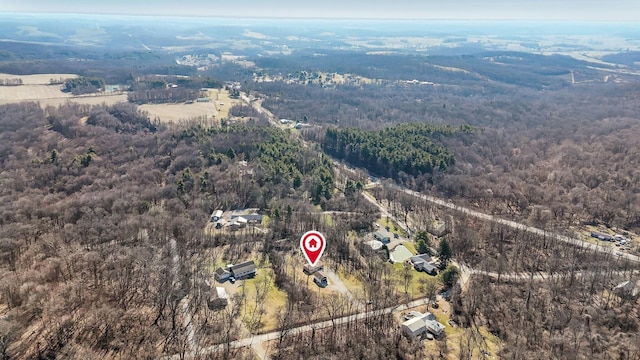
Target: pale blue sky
(613, 10)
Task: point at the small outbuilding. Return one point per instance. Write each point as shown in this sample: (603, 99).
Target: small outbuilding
(383, 236)
(320, 279)
(218, 298)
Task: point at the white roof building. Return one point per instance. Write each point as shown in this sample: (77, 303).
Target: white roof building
(418, 325)
(414, 327)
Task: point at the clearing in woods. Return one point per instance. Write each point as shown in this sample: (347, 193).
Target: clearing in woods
(37, 88)
(38, 79)
(177, 111)
(216, 108)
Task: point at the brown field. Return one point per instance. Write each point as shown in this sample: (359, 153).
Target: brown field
(221, 100)
(36, 88)
(37, 79)
(87, 100)
(11, 94)
(175, 112)
(51, 95)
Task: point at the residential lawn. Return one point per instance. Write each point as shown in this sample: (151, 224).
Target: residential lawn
(414, 285)
(457, 334)
(352, 282)
(393, 227)
(411, 246)
(273, 301)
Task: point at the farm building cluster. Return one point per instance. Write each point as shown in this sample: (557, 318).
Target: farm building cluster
(236, 219)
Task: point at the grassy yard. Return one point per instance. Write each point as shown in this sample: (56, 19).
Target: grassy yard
(393, 227)
(413, 289)
(261, 292)
(411, 246)
(457, 336)
(352, 282)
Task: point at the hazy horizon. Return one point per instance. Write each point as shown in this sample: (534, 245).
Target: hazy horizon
(499, 10)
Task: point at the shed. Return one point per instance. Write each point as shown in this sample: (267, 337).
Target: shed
(383, 236)
(438, 229)
(221, 275)
(218, 298)
(414, 327)
(244, 270)
(320, 279)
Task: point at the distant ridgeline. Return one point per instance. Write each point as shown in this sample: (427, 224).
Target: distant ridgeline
(407, 147)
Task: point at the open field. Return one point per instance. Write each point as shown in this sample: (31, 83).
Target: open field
(217, 108)
(174, 112)
(222, 102)
(37, 79)
(11, 94)
(86, 100)
(51, 95)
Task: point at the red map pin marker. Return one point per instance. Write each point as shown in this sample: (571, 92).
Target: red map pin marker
(312, 244)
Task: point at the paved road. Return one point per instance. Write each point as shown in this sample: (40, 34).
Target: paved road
(487, 217)
(249, 341)
(516, 225)
(464, 210)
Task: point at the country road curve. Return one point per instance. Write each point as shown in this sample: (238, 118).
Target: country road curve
(467, 211)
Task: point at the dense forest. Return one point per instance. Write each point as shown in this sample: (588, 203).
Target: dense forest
(98, 199)
(557, 158)
(409, 148)
(103, 208)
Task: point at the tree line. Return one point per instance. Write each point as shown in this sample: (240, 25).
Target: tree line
(408, 148)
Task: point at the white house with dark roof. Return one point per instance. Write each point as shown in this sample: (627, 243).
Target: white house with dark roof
(243, 270)
(221, 275)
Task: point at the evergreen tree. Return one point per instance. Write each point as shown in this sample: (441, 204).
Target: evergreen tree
(444, 251)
